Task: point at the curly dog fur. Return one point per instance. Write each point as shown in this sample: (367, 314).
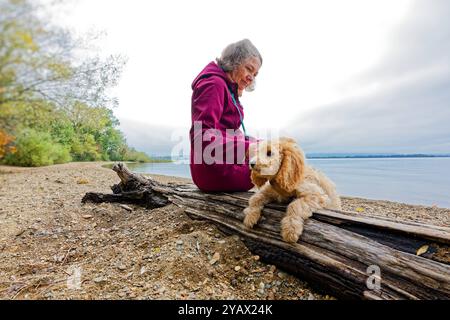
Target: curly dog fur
(279, 170)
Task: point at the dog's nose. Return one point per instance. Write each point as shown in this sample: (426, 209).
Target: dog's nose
(252, 164)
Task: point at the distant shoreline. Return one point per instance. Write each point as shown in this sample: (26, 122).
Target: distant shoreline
(335, 156)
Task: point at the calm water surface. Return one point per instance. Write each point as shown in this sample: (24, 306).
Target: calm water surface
(423, 181)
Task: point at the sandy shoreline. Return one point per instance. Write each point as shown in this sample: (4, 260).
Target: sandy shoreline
(47, 237)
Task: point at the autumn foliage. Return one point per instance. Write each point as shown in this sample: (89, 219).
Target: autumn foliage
(5, 144)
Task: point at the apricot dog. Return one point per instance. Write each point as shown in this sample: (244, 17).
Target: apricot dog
(279, 170)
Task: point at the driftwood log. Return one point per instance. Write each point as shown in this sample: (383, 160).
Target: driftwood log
(341, 253)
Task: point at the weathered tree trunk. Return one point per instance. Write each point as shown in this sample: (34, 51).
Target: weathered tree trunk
(339, 252)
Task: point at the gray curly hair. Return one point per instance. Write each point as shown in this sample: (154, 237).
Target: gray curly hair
(235, 54)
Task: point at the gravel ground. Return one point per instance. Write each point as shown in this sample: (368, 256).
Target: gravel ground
(54, 247)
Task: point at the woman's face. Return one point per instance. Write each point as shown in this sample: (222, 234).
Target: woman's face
(245, 74)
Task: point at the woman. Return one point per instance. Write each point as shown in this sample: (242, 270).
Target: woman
(218, 147)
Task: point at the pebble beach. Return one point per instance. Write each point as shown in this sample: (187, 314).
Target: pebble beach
(54, 247)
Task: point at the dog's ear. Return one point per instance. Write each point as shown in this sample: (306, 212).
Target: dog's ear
(286, 140)
(257, 180)
(292, 166)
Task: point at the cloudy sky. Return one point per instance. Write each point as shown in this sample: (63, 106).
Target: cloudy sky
(339, 76)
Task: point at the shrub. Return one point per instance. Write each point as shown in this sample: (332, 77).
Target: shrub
(34, 148)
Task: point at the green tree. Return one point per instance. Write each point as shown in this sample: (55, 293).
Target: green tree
(133, 155)
(39, 61)
(54, 104)
(113, 145)
(85, 148)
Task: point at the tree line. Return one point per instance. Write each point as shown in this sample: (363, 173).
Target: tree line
(54, 101)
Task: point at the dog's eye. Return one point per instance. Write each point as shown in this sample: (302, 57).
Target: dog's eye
(269, 153)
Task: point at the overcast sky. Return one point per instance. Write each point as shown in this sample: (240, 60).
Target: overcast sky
(340, 76)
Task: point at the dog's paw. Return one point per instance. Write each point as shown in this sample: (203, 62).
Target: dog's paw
(291, 229)
(252, 216)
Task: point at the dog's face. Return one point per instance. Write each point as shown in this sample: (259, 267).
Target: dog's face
(265, 158)
(279, 160)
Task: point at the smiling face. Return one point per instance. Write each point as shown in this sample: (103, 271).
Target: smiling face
(245, 73)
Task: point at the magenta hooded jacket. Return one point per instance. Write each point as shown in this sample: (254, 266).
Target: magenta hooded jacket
(213, 108)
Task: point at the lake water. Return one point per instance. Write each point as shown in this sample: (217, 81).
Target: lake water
(423, 181)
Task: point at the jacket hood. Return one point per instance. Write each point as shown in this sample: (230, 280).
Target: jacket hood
(212, 69)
